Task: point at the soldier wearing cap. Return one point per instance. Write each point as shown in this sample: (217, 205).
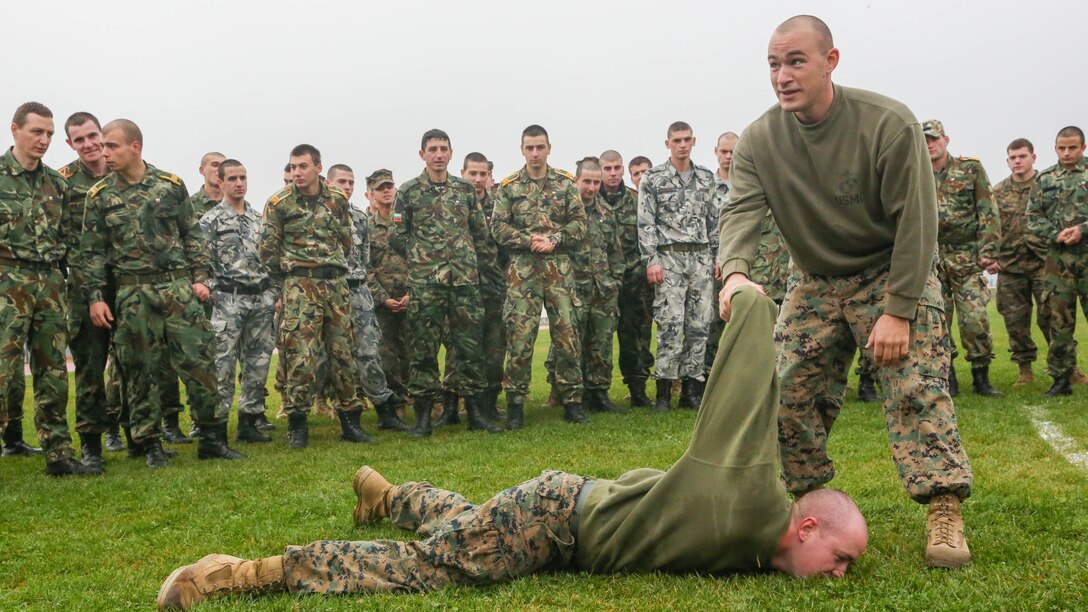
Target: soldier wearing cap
(968, 239)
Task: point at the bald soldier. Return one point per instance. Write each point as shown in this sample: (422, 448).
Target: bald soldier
(862, 231)
(719, 509)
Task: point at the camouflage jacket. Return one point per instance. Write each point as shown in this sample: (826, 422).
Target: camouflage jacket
(388, 268)
(80, 180)
(670, 212)
(1016, 254)
(549, 207)
(967, 220)
(232, 240)
(32, 207)
(771, 266)
(624, 203)
(359, 262)
(304, 232)
(493, 276)
(1059, 199)
(441, 231)
(145, 228)
(599, 256)
(202, 202)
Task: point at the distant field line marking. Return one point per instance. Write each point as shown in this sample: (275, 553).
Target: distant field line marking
(1049, 431)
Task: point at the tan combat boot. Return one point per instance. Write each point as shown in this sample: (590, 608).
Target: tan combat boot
(1026, 376)
(372, 491)
(219, 575)
(947, 547)
(1079, 377)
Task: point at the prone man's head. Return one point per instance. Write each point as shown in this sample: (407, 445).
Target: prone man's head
(826, 534)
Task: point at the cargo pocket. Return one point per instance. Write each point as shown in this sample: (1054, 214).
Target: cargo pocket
(475, 552)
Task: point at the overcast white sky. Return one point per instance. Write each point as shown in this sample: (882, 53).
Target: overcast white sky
(362, 80)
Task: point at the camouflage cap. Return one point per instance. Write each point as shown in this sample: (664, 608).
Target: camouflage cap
(933, 129)
(378, 178)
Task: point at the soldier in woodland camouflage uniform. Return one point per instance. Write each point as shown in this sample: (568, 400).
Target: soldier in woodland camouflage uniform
(968, 240)
(388, 283)
(140, 224)
(539, 218)
(443, 235)
(306, 240)
(1058, 222)
(634, 326)
(210, 193)
(723, 150)
(243, 303)
(678, 234)
(33, 303)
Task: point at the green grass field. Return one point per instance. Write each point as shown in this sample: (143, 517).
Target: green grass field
(105, 543)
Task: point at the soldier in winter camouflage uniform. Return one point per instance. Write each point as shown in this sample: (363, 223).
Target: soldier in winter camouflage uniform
(140, 224)
(634, 326)
(677, 235)
(539, 218)
(969, 235)
(1058, 222)
(33, 303)
(306, 241)
(442, 233)
(243, 303)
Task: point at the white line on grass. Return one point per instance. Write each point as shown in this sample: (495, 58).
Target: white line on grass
(1066, 446)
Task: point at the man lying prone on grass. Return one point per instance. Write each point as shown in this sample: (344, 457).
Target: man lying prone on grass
(719, 509)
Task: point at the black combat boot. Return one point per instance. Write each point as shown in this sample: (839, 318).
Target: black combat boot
(698, 388)
(262, 422)
(153, 454)
(91, 448)
(248, 429)
(953, 382)
(298, 430)
(476, 419)
(450, 402)
(387, 415)
(687, 394)
(113, 436)
(572, 413)
(867, 388)
(664, 395)
(1062, 386)
(639, 399)
(350, 429)
(213, 443)
(515, 412)
(70, 467)
(171, 433)
(597, 400)
(423, 407)
(980, 381)
(490, 406)
(13, 441)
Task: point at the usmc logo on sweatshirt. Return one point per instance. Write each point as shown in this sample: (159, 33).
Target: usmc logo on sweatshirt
(848, 190)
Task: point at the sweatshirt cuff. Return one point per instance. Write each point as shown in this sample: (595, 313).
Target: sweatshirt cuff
(899, 306)
(733, 266)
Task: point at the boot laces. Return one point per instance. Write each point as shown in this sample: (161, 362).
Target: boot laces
(943, 523)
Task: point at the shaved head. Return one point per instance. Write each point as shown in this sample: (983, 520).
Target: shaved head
(611, 155)
(130, 130)
(210, 155)
(834, 509)
(812, 24)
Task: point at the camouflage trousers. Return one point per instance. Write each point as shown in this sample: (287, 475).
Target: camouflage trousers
(90, 346)
(394, 348)
(683, 306)
(1015, 291)
(453, 314)
(717, 328)
(493, 339)
(1066, 283)
(634, 329)
(368, 337)
(33, 306)
(821, 322)
(153, 321)
(315, 324)
(598, 324)
(965, 291)
(244, 338)
(522, 530)
(170, 390)
(535, 282)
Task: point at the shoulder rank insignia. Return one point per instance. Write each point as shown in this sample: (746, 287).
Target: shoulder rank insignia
(510, 179)
(99, 186)
(173, 178)
(563, 173)
(66, 171)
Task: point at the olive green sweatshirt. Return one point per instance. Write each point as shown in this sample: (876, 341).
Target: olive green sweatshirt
(852, 192)
(720, 508)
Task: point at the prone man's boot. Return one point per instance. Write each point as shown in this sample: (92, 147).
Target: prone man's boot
(1026, 376)
(13, 441)
(372, 493)
(219, 575)
(171, 433)
(639, 399)
(946, 546)
(664, 395)
(572, 413)
(91, 449)
(1061, 386)
(953, 382)
(867, 388)
(476, 419)
(423, 407)
(350, 429)
(298, 430)
(980, 381)
(113, 438)
(387, 416)
(249, 430)
(515, 412)
(212, 443)
(450, 402)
